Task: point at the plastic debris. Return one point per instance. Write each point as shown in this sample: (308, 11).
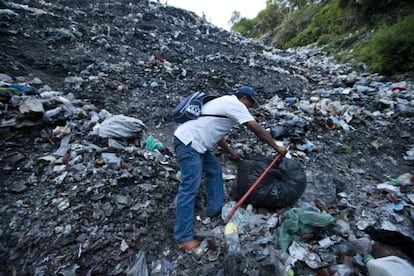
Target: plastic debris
(58, 187)
(139, 268)
(152, 144)
(121, 126)
(297, 222)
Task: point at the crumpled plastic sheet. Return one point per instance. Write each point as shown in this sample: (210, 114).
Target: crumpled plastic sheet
(298, 222)
(140, 266)
(121, 126)
(243, 217)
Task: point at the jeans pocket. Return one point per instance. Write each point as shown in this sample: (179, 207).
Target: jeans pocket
(176, 142)
(184, 152)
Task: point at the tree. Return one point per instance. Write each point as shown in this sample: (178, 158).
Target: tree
(270, 17)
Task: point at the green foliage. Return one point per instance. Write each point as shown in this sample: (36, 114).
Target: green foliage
(340, 25)
(328, 22)
(245, 26)
(365, 3)
(270, 17)
(294, 23)
(264, 22)
(391, 49)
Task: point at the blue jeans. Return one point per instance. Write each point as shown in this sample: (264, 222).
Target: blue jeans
(192, 167)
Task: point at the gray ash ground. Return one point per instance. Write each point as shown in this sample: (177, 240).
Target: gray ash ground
(108, 48)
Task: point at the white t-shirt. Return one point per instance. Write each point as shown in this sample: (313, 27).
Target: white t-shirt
(205, 132)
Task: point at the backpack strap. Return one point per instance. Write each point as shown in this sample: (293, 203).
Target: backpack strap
(208, 98)
(213, 115)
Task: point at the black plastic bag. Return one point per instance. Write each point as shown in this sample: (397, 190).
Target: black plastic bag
(282, 186)
(294, 129)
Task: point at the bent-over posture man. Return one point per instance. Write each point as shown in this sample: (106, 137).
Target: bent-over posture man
(193, 142)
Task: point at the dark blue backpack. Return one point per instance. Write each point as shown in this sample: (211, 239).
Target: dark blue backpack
(190, 107)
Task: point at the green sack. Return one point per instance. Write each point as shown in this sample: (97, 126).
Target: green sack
(298, 222)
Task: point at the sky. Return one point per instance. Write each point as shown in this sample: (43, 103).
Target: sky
(218, 12)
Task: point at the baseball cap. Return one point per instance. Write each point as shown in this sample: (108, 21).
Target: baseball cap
(248, 91)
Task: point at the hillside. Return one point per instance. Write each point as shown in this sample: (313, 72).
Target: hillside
(376, 34)
(76, 200)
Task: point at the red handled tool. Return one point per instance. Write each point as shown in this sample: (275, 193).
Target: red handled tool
(260, 178)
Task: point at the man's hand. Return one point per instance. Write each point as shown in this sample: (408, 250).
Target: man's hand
(265, 136)
(235, 154)
(282, 150)
(238, 156)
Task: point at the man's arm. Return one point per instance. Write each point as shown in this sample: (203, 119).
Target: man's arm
(223, 144)
(265, 136)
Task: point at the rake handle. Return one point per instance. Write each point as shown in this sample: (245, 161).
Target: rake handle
(250, 190)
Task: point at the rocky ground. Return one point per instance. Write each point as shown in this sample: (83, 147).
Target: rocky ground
(79, 199)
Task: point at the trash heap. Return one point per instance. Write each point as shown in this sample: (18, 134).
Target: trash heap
(89, 176)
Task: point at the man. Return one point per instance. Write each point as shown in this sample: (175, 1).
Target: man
(192, 143)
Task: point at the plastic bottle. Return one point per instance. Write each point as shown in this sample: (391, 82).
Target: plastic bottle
(341, 270)
(232, 237)
(290, 100)
(388, 266)
(290, 271)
